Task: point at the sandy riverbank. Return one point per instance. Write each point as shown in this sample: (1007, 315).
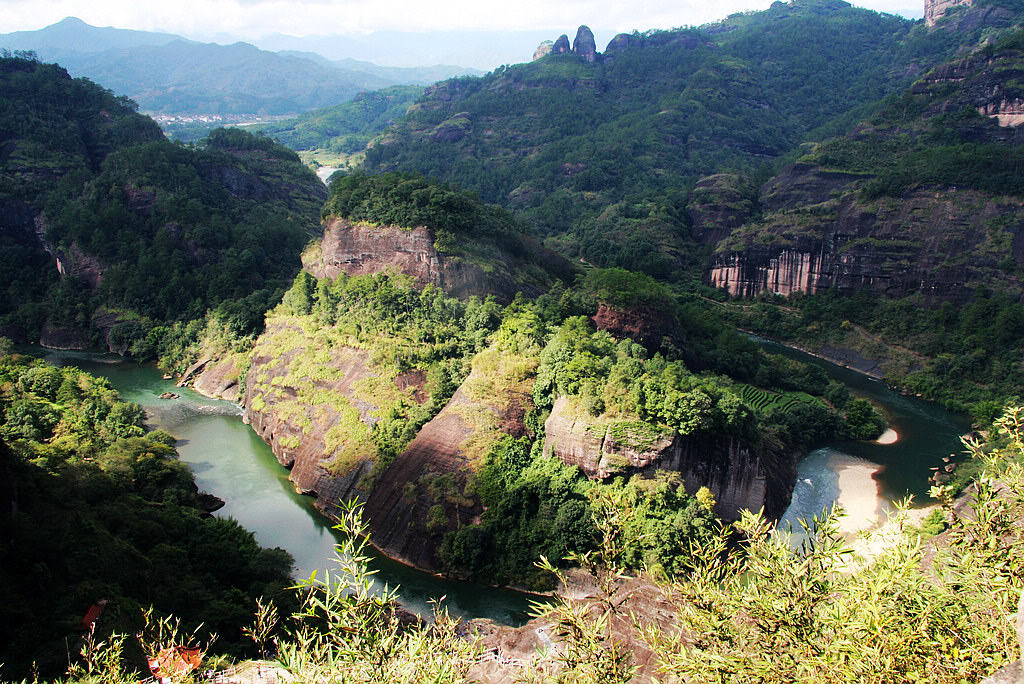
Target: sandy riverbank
(890, 436)
(858, 493)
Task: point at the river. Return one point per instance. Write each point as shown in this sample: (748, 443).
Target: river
(867, 477)
(231, 462)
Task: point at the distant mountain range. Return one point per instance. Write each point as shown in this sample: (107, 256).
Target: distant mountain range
(168, 74)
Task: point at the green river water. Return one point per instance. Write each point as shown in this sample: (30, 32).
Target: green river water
(231, 462)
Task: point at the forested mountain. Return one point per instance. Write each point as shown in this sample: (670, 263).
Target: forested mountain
(490, 403)
(909, 225)
(345, 128)
(167, 74)
(99, 512)
(601, 155)
(156, 230)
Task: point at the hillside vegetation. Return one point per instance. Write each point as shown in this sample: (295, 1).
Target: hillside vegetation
(601, 156)
(152, 231)
(95, 507)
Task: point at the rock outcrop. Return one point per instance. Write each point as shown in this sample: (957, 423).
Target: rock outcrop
(718, 205)
(217, 380)
(936, 9)
(623, 41)
(584, 45)
(543, 49)
(360, 249)
(280, 406)
(740, 476)
(820, 236)
(313, 406)
(561, 46)
(64, 337)
(642, 324)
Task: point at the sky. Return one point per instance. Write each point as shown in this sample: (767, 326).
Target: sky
(250, 20)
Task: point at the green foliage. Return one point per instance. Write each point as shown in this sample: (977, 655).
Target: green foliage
(660, 522)
(537, 510)
(106, 511)
(173, 230)
(410, 201)
(863, 421)
(345, 128)
(963, 356)
(619, 287)
(613, 146)
(418, 343)
(770, 614)
(347, 629)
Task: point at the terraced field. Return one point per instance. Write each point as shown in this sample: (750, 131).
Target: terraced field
(761, 399)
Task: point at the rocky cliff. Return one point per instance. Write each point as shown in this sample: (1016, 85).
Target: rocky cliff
(936, 9)
(922, 198)
(738, 474)
(356, 248)
(423, 493)
(317, 406)
(941, 244)
(302, 401)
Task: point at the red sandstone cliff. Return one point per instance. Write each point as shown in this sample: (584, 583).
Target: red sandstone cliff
(362, 248)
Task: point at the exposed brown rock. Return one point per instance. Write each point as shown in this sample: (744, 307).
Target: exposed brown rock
(361, 249)
(822, 236)
(561, 46)
(936, 9)
(584, 45)
(739, 475)
(64, 337)
(74, 263)
(642, 324)
(543, 50)
(299, 440)
(510, 653)
(220, 380)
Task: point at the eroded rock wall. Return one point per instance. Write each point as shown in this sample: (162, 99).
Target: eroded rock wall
(819, 235)
(739, 475)
(357, 248)
(298, 431)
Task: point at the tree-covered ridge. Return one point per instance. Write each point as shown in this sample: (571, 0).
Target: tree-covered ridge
(410, 201)
(346, 128)
(362, 363)
(158, 232)
(95, 507)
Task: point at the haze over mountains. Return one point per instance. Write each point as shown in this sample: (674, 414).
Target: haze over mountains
(168, 74)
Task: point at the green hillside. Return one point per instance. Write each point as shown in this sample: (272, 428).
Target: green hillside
(154, 230)
(346, 128)
(601, 156)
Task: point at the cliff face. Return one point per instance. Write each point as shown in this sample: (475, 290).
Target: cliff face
(940, 244)
(920, 199)
(738, 475)
(293, 409)
(936, 9)
(360, 249)
(314, 408)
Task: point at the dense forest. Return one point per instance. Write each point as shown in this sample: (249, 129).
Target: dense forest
(600, 157)
(147, 232)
